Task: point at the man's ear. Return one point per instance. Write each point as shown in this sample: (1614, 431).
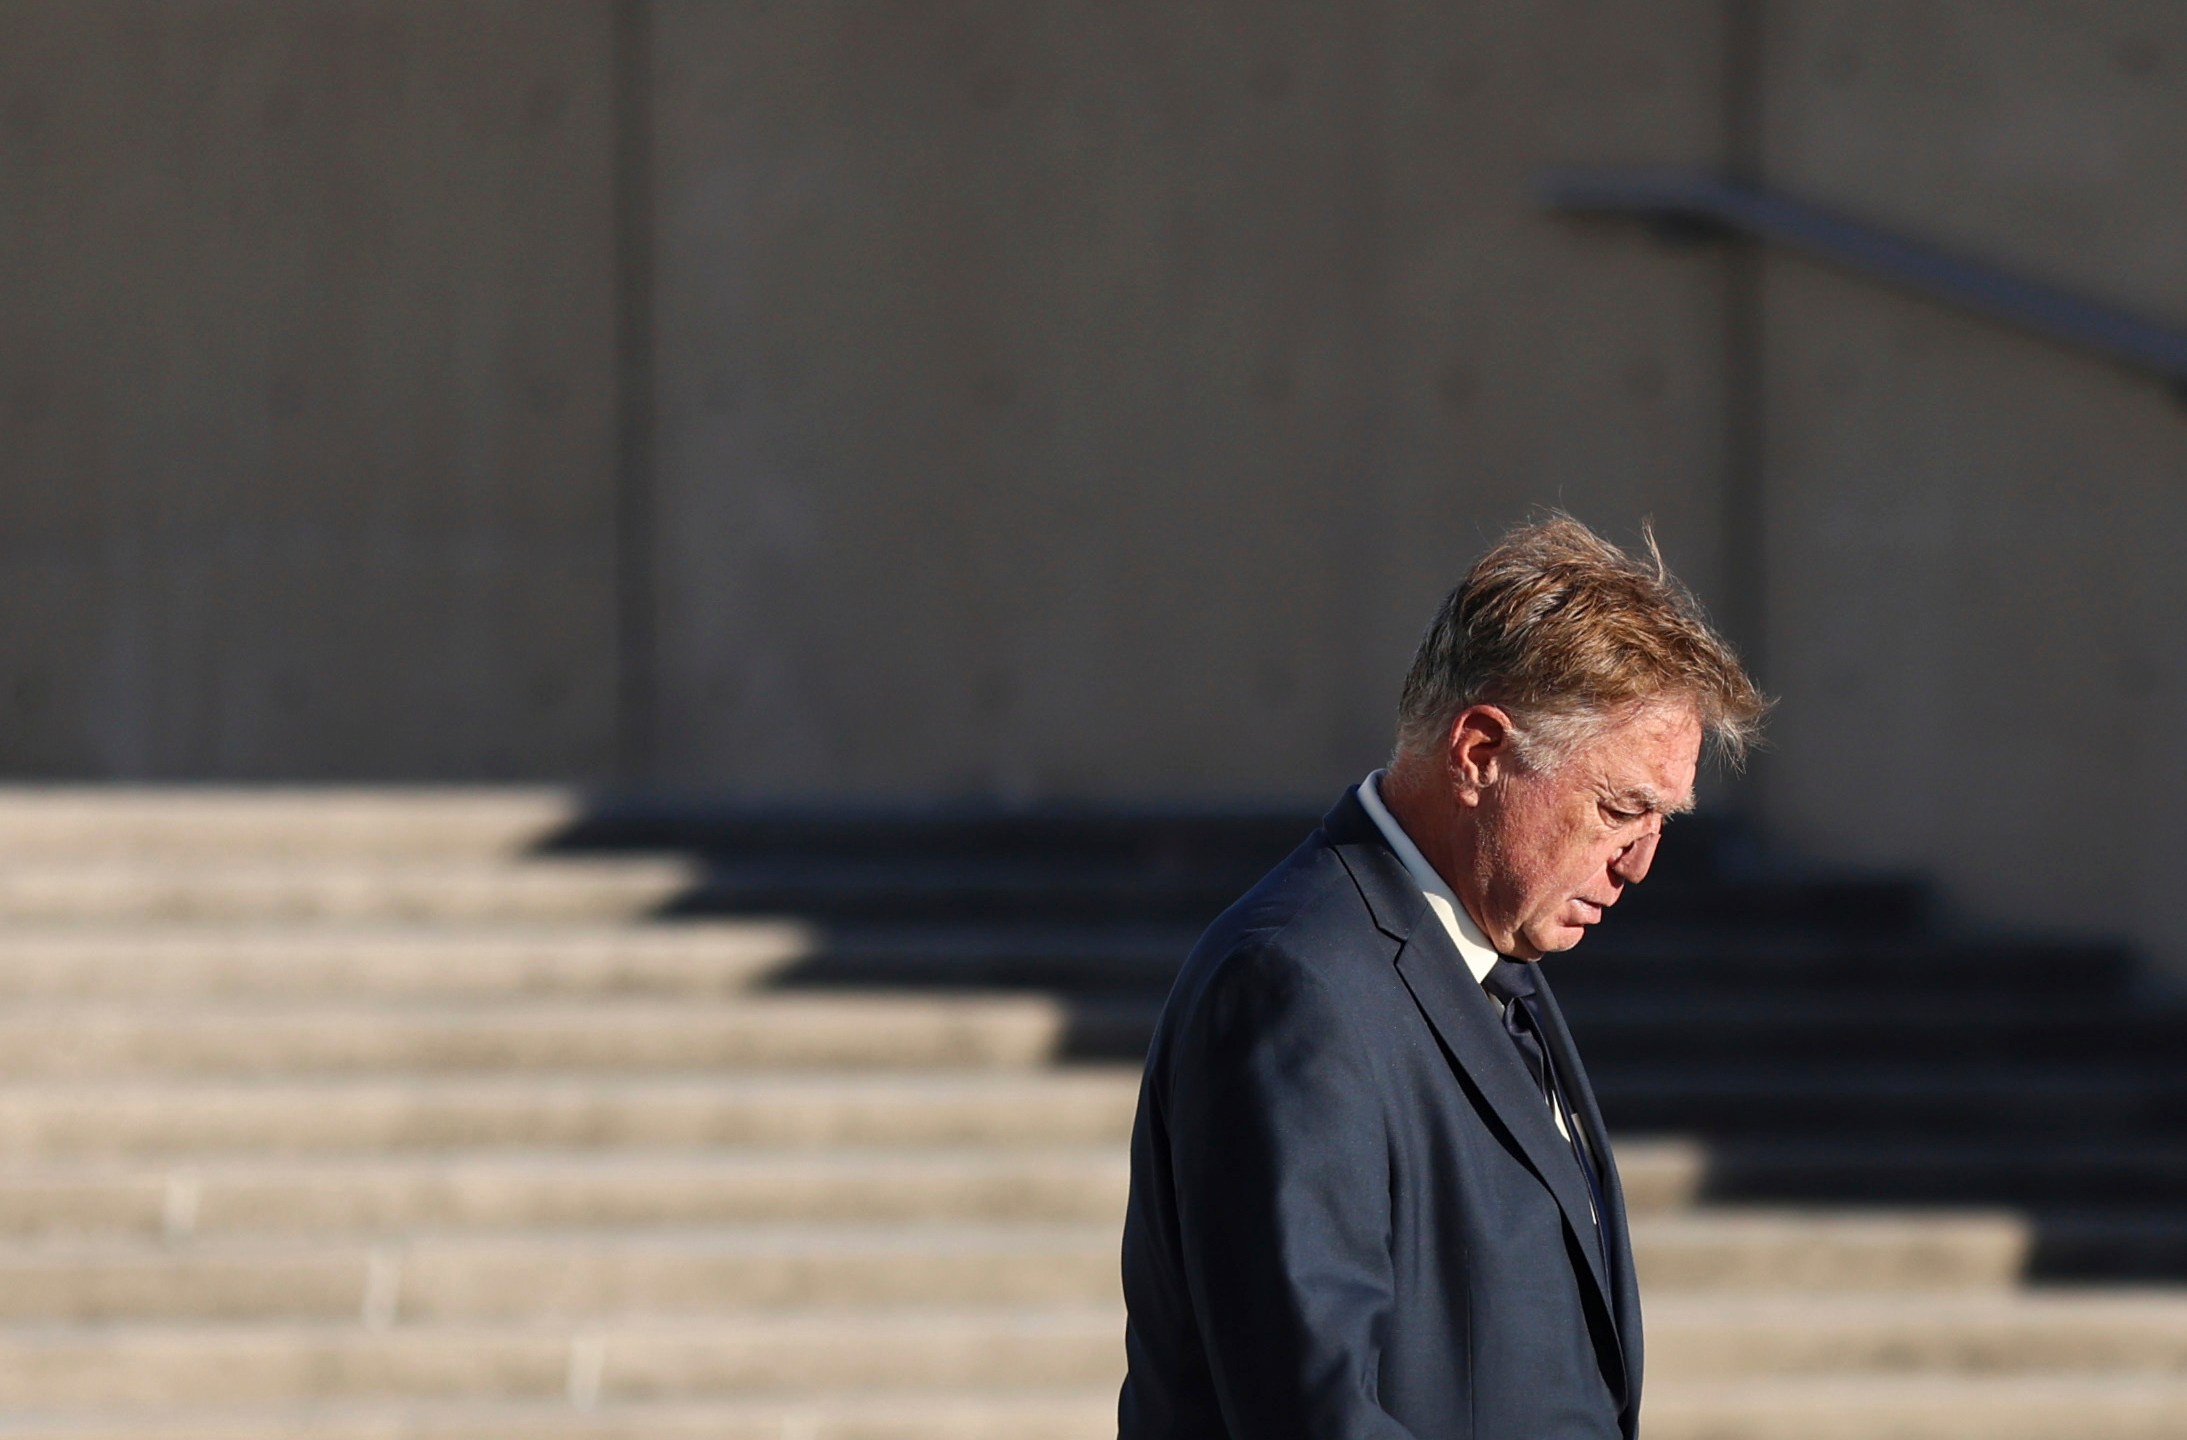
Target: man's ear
(1479, 751)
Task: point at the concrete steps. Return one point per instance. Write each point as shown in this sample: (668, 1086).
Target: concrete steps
(1694, 1345)
(446, 890)
(1886, 1095)
(596, 1271)
(2106, 1407)
(139, 962)
(1693, 1337)
(723, 1356)
(413, 1113)
(384, 1194)
(2027, 1171)
(112, 1038)
(1016, 1413)
(673, 1267)
(503, 961)
(380, 1188)
(106, 823)
(451, 1114)
(1975, 1031)
(95, 956)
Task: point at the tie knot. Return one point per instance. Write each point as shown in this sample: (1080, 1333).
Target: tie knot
(1509, 980)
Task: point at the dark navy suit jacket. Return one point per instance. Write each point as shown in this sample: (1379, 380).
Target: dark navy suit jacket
(1351, 1215)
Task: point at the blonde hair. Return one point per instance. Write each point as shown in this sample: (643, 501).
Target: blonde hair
(1566, 632)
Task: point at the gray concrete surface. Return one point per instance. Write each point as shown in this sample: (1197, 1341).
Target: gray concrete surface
(358, 1200)
(1974, 538)
(1065, 401)
(1072, 401)
(306, 389)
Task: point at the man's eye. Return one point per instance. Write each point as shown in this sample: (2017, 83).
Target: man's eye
(1620, 817)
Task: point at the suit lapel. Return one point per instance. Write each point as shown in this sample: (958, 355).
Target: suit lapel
(1617, 1237)
(1473, 1034)
(1465, 1020)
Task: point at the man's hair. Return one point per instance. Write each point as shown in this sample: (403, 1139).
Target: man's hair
(1567, 633)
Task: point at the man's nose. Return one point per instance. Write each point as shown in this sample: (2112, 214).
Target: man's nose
(1631, 864)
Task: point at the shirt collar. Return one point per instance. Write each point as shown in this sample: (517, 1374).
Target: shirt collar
(1473, 946)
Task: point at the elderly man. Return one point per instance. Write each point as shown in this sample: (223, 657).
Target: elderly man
(1371, 1195)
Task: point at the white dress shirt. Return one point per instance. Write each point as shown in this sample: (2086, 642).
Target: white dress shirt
(1473, 946)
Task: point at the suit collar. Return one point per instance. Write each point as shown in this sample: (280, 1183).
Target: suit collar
(1443, 902)
(1472, 1034)
(1393, 902)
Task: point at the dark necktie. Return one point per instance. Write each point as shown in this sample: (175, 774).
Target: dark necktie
(1512, 982)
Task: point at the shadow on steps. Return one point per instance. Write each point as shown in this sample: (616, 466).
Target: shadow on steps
(1822, 1037)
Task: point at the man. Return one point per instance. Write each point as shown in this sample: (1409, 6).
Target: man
(1371, 1195)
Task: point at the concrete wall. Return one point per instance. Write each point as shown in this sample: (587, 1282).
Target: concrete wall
(1061, 399)
(1975, 539)
(306, 388)
(1072, 399)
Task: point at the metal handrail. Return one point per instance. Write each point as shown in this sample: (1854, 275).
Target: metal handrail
(1696, 203)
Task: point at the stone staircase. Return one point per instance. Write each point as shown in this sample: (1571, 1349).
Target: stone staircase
(489, 1115)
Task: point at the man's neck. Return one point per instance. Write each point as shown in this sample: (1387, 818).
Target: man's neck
(1431, 819)
(1473, 947)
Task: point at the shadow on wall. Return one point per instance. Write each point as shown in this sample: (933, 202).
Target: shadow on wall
(1819, 1038)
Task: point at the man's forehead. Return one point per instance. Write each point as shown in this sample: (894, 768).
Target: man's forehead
(1651, 760)
(1644, 796)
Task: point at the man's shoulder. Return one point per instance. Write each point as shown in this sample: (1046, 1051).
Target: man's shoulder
(1306, 919)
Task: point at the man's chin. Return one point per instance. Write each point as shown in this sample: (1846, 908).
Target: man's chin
(1558, 938)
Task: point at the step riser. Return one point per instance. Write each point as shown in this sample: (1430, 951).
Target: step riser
(860, 1031)
(543, 892)
(1854, 1045)
(1624, 960)
(707, 957)
(2067, 1251)
(446, 1281)
(692, 958)
(400, 1118)
(2032, 1182)
(40, 1043)
(1007, 1350)
(193, 1202)
(372, 963)
(1716, 1352)
(1728, 1255)
(513, 1281)
(2126, 1410)
(1078, 904)
(108, 825)
(1728, 1110)
(848, 1034)
(970, 1417)
(274, 1367)
(298, 1198)
(1673, 1413)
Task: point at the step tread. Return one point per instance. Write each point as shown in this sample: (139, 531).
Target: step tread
(606, 1112)
(859, 1415)
(502, 959)
(1699, 1227)
(2104, 1407)
(617, 1034)
(380, 1194)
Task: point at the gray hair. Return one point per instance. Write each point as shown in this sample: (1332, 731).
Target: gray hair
(1567, 633)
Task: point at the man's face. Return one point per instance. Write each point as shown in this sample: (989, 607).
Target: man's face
(1557, 847)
